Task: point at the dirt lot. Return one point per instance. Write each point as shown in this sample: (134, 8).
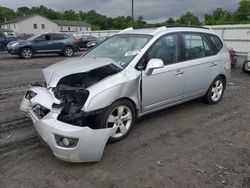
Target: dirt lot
(191, 145)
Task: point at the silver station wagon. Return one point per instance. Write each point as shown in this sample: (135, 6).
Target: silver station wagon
(88, 101)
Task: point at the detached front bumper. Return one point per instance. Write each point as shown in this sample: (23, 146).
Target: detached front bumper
(90, 142)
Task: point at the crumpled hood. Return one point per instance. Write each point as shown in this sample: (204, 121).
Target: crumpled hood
(55, 72)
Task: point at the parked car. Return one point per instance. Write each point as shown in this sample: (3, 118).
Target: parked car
(246, 67)
(60, 43)
(93, 43)
(95, 98)
(84, 39)
(7, 36)
(25, 35)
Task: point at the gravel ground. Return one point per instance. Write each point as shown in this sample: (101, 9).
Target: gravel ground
(190, 145)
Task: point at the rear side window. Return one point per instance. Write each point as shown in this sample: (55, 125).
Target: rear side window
(216, 41)
(196, 46)
(58, 37)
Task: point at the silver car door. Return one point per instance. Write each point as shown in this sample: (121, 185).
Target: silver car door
(163, 86)
(200, 67)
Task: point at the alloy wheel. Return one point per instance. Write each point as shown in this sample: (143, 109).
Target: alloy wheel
(27, 53)
(217, 90)
(69, 52)
(120, 117)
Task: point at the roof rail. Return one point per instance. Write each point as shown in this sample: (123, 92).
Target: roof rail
(173, 25)
(127, 29)
(189, 26)
(159, 29)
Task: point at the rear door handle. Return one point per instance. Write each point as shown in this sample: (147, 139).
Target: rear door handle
(213, 64)
(179, 72)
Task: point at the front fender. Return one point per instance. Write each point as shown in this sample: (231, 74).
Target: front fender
(107, 97)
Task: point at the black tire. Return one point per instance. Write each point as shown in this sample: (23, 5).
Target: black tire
(112, 110)
(68, 51)
(26, 53)
(212, 97)
(244, 69)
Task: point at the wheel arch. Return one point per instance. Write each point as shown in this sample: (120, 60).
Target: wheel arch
(131, 101)
(223, 76)
(27, 47)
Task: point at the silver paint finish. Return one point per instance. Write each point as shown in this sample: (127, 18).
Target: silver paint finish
(162, 87)
(91, 142)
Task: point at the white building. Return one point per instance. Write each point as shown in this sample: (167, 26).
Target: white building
(37, 24)
(235, 36)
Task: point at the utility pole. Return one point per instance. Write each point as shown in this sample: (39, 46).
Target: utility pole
(133, 10)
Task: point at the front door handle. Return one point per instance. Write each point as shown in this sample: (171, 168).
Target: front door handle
(179, 72)
(213, 64)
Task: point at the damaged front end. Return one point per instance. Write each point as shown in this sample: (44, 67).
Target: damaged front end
(58, 116)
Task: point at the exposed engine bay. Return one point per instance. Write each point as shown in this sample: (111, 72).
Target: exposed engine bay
(72, 92)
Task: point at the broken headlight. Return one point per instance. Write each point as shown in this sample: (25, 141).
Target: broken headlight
(40, 111)
(30, 94)
(72, 100)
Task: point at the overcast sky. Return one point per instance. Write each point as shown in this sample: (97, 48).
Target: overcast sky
(149, 9)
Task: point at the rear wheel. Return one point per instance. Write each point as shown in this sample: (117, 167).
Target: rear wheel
(68, 51)
(26, 53)
(215, 91)
(120, 115)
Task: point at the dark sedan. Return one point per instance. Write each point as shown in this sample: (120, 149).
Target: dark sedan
(84, 39)
(93, 43)
(60, 43)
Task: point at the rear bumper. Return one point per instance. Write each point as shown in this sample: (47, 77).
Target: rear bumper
(91, 142)
(76, 48)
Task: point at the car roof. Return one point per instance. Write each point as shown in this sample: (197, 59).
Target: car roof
(164, 29)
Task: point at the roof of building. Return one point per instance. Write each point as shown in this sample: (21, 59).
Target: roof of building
(58, 22)
(71, 23)
(21, 18)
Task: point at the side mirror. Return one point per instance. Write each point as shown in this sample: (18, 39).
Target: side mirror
(153, 64)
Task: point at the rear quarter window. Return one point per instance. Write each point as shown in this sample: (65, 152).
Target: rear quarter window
(58, 36)
(216, 42)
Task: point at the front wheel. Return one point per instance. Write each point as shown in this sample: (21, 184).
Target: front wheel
(215, 91)
(26, 53)
(68, 52)
(121, 115)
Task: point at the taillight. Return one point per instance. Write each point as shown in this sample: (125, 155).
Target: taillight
(75, 41)
(230, 57)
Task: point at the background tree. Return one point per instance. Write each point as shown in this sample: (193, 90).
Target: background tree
(189, 18)
(6, 14)
(102, 22)
(219, 16)
(241, 15)
(70, 15)
(170, 21)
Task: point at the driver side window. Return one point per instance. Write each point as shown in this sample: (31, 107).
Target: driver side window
(167, 49)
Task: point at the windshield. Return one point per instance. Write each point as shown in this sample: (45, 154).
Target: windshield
(120, 48)
(34, 37)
